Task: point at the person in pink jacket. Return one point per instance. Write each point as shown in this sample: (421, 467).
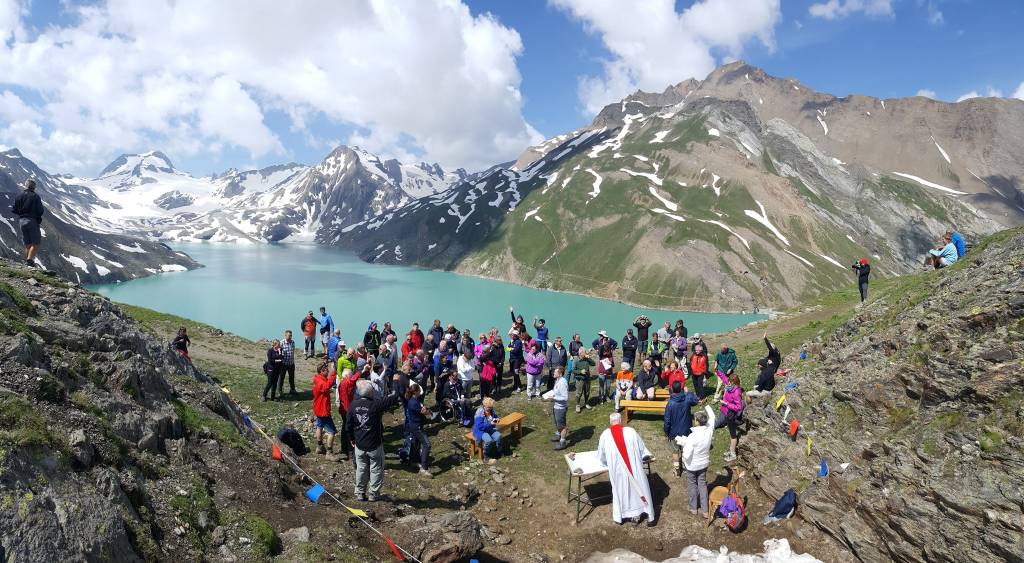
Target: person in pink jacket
(534, 367)
(731, 410)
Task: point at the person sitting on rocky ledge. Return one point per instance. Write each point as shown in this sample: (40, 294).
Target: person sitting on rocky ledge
(943, 255)
(768, 366)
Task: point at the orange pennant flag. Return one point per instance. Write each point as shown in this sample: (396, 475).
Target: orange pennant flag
(275, 452)
(394, 548)
(794, 427)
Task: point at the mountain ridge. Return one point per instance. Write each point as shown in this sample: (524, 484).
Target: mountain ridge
(713, 169)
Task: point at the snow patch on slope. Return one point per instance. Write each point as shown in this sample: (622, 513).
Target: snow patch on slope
(930, 184)
(762, 218)
(671, 206)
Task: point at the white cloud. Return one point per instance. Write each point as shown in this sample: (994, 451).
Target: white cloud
(188, 76)
(653, 46)
(836, 9)
(989, 93)
(1019, 93)
(926, 93)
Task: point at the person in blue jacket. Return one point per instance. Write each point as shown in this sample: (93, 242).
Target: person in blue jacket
(326, 327)
(485, 431)
(943, 255)
(542, 333)
(678, 418)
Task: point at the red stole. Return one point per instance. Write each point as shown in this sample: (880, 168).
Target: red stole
(620, 443)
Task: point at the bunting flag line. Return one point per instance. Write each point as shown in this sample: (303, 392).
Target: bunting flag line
(790, 386)
(226, 390)
(315, 492)
(794, 427)
(808, 446)
(275, 452)
(778, 404)
(401, 553)
(823, 471)
(394, 548)
(786, 414)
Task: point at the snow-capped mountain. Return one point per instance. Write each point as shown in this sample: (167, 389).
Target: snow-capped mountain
(75, 244)
(739, 191)
(146, 194)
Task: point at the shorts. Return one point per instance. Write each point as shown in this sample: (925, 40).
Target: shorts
(559, 415)
(326, 423)
(30, 231)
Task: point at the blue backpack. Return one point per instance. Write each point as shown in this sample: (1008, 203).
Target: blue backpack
(784, 506)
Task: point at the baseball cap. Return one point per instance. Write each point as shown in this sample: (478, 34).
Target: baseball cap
(602, 333)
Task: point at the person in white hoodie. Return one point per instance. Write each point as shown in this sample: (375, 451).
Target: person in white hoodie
(466, 366)
(696, 456)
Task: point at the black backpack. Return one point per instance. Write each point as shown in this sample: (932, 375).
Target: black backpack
(291, 438)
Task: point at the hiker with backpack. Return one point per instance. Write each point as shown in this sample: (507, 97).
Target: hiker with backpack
(28, 207)
(366, 435)
(863, 270)
(416, 415)
(696, 456)
(678, 418)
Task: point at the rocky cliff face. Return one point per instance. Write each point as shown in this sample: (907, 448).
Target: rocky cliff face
(921, 394)
(112, 448)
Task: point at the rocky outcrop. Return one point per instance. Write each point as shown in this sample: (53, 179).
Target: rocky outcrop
(113, 448)
(916, 406)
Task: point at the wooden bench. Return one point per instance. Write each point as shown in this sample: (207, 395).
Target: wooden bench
(511, 423)
(660, 393)
(629, 407)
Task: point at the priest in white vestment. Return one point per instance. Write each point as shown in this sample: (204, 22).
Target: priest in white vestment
(622, 451)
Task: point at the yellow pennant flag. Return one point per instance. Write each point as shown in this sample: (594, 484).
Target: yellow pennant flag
(778, 404)
(226, 390)
(357, 512)
(808, 445)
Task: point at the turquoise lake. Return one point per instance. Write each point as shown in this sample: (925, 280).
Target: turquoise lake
(258, 291)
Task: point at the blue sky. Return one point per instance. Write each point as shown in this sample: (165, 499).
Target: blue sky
(245, 85)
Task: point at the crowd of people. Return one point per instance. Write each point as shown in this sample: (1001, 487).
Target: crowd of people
(445, 374)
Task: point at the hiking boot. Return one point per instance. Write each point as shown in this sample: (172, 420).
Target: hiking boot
(577, 409)
(29, 263)
(729, 456)
(361, 497)
(264, 399)
(588, 407)
(320, 449)
(557, 438)
(561, 446)
(426, 473)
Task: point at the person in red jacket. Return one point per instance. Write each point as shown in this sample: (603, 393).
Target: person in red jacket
(698, 369)
(346, 392)
(673, 374)
(323, 382)
(416, 336)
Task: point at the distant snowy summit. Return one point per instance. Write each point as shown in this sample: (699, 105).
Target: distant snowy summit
(145, 193)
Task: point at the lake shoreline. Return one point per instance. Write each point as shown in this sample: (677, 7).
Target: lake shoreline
(768, 313)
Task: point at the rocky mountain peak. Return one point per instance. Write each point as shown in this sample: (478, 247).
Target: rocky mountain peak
(138, 164)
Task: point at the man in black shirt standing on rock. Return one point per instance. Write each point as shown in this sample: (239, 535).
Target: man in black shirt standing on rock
(29, 209)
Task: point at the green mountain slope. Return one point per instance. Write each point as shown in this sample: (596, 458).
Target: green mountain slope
(735, 194)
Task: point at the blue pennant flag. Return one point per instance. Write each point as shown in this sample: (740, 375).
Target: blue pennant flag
(314, 493)
(248, 421)
(822, 472)
(790, 386)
